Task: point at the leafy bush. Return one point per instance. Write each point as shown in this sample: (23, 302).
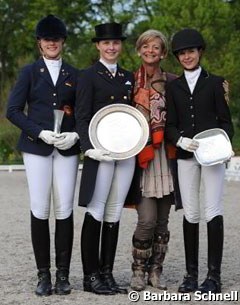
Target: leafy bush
(236, 140)
(9, 135)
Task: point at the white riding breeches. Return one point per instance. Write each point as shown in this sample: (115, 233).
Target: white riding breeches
(111, 188)
(52, 176)
(191, 176)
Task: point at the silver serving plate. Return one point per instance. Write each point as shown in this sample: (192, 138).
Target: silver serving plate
(120, 129)
(214, 147)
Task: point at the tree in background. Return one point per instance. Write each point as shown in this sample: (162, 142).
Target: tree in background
(218, 21)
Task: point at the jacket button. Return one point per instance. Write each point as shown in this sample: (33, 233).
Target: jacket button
(112, 97)
(54, 104)
(30, 138)
(125, 97)
(54, 94)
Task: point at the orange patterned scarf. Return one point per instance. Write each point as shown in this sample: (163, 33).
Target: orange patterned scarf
(149, 98)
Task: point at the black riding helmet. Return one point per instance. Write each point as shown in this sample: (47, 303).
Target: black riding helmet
(51, 27)
(187, 38)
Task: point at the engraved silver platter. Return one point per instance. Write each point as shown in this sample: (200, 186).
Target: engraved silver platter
(214, 147)
(119, 129)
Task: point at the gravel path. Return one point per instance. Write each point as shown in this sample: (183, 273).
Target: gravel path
(18, 272)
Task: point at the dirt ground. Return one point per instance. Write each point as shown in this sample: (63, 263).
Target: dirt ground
(17, 266)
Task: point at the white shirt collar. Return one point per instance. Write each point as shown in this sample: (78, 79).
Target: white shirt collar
(53, 67)
(53, 63)
(108, 66)
(192, 76)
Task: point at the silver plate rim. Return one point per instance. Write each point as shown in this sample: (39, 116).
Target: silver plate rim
(113, 108)
(212, 132)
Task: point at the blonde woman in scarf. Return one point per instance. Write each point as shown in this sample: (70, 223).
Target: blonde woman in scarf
(151, 236)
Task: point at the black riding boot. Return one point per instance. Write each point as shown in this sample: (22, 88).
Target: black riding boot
(41, 247)
(90, 237)
(108, 251)
(215, 249)
(63, 247)
(191, 243)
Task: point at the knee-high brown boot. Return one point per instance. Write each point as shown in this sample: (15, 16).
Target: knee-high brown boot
(155, 265)
(141, 252)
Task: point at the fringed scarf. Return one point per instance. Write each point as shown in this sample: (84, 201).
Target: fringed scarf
(149, 98)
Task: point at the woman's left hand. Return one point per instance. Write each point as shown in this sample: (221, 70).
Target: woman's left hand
(66, 140)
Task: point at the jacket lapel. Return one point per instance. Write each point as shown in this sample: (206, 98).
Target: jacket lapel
(183, 83)
(102, 71)
(64, 73)
(106, 74)
(201, 80)
(120, 75)
(43, 71)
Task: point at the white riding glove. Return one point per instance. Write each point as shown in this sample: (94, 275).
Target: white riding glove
(187, 144)
(66, 140)
(48, 136)
(98, 154)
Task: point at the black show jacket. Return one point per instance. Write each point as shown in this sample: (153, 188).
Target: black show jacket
(190, 113)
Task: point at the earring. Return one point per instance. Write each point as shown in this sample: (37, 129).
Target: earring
(139, 55)
(161, 57)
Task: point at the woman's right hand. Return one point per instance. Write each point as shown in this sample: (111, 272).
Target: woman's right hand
(187, 144)
(98, 154)
(48, 136)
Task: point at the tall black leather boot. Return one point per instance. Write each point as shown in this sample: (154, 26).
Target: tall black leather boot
(63, 247)
(191, 245)
(90, 237)
(108, 251)
(215, 249)
(41, 247)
